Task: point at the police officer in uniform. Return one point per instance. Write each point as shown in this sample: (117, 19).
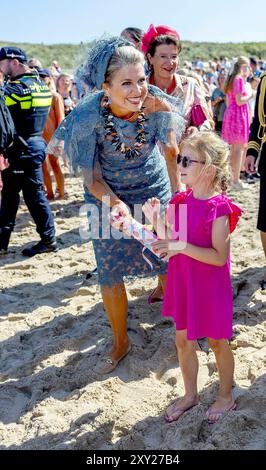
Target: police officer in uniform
(28, 100)
(257, 150)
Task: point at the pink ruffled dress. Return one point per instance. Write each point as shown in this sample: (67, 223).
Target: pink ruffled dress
(199, 296)
(235, 127)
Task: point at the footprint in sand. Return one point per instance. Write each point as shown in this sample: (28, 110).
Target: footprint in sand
(22, 267)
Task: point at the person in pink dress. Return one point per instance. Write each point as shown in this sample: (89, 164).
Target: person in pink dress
(235, 128)
(198, 293)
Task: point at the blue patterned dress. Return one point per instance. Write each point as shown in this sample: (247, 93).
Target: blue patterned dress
(133, 181)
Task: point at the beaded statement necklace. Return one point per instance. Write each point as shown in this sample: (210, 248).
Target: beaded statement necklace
(116, 138)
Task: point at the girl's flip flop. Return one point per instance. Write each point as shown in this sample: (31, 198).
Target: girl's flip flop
(219, 413)
(177, 411)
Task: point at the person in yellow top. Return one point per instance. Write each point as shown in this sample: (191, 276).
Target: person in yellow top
(256, 158)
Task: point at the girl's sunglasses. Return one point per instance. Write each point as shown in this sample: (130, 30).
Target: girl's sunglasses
(186, 161)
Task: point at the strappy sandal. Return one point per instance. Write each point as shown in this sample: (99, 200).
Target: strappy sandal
(109, 364)
(152, 300)
(57, 195)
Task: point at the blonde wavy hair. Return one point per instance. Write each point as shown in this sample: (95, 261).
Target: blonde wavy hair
(213, 151)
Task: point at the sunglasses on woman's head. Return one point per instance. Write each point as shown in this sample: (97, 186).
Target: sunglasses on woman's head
(186, 161)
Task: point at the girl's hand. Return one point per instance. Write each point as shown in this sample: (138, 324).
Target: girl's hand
(151, 209)
(166, 248)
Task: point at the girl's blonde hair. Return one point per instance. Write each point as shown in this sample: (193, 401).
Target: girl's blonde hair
(213, 151)
(242, 60)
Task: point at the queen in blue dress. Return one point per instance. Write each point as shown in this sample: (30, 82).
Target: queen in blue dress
(116, 136)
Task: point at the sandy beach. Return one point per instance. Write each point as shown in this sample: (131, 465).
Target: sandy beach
(54, 333)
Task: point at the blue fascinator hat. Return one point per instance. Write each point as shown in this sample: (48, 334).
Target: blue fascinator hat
(99, 56)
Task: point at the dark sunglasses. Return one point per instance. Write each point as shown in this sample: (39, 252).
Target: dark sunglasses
(186, 161)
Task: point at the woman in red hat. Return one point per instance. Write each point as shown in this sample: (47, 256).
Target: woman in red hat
(162, 46)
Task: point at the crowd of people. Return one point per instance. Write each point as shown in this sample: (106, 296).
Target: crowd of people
(145, 132)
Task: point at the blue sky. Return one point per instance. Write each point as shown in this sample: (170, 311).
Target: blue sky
(72, 21)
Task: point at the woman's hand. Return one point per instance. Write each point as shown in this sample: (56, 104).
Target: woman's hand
(119, 209)
(151, 209)
(250, 165)
(3, 162)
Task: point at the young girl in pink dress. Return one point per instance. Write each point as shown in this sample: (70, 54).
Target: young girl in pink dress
(198, 293)
(236, 122)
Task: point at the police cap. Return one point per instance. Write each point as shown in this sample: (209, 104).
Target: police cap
(44, 73)
(13, 53)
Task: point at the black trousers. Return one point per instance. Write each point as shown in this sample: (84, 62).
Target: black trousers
(26, 177)
(262, 202)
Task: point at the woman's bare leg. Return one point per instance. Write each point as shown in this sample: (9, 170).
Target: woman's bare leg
(116, 306)
(243, 157)
(236, 160)
(59, 177)
(159, 289)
